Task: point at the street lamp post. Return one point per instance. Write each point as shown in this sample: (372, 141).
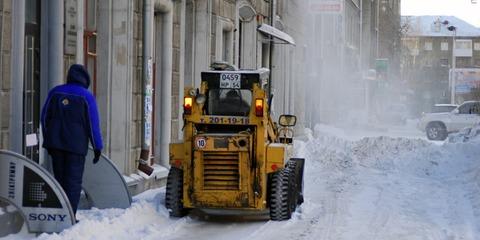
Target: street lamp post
(454, 62)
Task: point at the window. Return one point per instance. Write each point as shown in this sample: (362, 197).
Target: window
(444, 62)
(226, 46)
(444, 46)
(428, 46)
(463, 48)
(463, 44)
(91, 14)
(468, 108)
(477, 62)
(464, 62)
(90, 41)
(476, 46)
(440, 109)
(475, 109)
(229, 102)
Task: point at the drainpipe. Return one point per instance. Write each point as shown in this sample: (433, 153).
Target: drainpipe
(165, 7)
(79, 58)
(18, 38)
(51, 56)
(181, 82)
(147, 73)
(273, 14)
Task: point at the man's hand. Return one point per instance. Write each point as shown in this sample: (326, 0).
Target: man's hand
(97, 154)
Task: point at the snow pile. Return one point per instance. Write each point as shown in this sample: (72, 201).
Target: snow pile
(465, 135)
(147, 216)
(392, 188)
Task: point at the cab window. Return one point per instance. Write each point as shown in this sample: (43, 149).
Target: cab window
(229, 102)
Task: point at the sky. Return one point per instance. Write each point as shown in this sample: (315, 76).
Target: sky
(463, 9)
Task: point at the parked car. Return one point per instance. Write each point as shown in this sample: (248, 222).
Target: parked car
(437, 126)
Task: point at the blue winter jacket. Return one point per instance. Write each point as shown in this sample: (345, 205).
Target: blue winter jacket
(70, 116)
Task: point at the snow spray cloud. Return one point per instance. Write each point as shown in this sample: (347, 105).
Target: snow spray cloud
(354, 71)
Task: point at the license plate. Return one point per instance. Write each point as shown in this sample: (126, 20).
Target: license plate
(225, 120)
(230, 80)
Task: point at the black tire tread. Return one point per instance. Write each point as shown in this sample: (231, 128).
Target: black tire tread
(174, 193)
(280, 207)
(297, 166)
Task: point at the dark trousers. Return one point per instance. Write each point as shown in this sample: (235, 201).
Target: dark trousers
(68, 170)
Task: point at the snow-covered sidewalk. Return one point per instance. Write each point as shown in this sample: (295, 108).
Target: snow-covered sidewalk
(356, 188)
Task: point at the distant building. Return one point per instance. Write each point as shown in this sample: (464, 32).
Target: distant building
(427, 55)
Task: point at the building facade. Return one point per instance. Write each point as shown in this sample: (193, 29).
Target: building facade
(140, 54)
(428, 55)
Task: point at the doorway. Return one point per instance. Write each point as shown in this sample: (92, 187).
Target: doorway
(31, 89)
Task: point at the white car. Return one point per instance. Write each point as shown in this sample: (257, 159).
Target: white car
(437, 126)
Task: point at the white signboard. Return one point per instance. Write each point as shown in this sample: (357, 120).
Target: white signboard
(31, 140)
(71, 27)
(326, 7)
(466, 79)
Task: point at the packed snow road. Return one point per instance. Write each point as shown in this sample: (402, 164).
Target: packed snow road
(356, 188)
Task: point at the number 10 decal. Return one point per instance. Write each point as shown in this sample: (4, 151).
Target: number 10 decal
(201, 142)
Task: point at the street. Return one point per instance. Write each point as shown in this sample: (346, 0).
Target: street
(376, 187)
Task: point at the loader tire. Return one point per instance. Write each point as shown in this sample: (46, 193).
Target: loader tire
(281, 195)
(174, 193)
(297, 166)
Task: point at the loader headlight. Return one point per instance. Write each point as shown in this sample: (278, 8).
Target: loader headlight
(187, 105)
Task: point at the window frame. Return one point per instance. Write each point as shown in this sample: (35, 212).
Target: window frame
(90, 56)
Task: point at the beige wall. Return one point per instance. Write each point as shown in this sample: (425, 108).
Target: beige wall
(5, 71)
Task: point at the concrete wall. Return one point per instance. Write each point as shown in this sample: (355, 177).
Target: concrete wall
(290, 63)
(118, 80)
(5, 71)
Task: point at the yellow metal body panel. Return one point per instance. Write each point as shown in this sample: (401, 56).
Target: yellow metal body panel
(276, 156)
(177, 154)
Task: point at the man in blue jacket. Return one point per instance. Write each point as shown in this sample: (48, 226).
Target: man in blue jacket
(69, 120)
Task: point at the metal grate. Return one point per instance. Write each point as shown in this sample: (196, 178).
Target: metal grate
(221, 171)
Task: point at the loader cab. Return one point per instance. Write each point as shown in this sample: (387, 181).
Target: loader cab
(233, 93)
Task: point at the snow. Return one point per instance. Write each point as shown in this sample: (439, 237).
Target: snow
(390, 184)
